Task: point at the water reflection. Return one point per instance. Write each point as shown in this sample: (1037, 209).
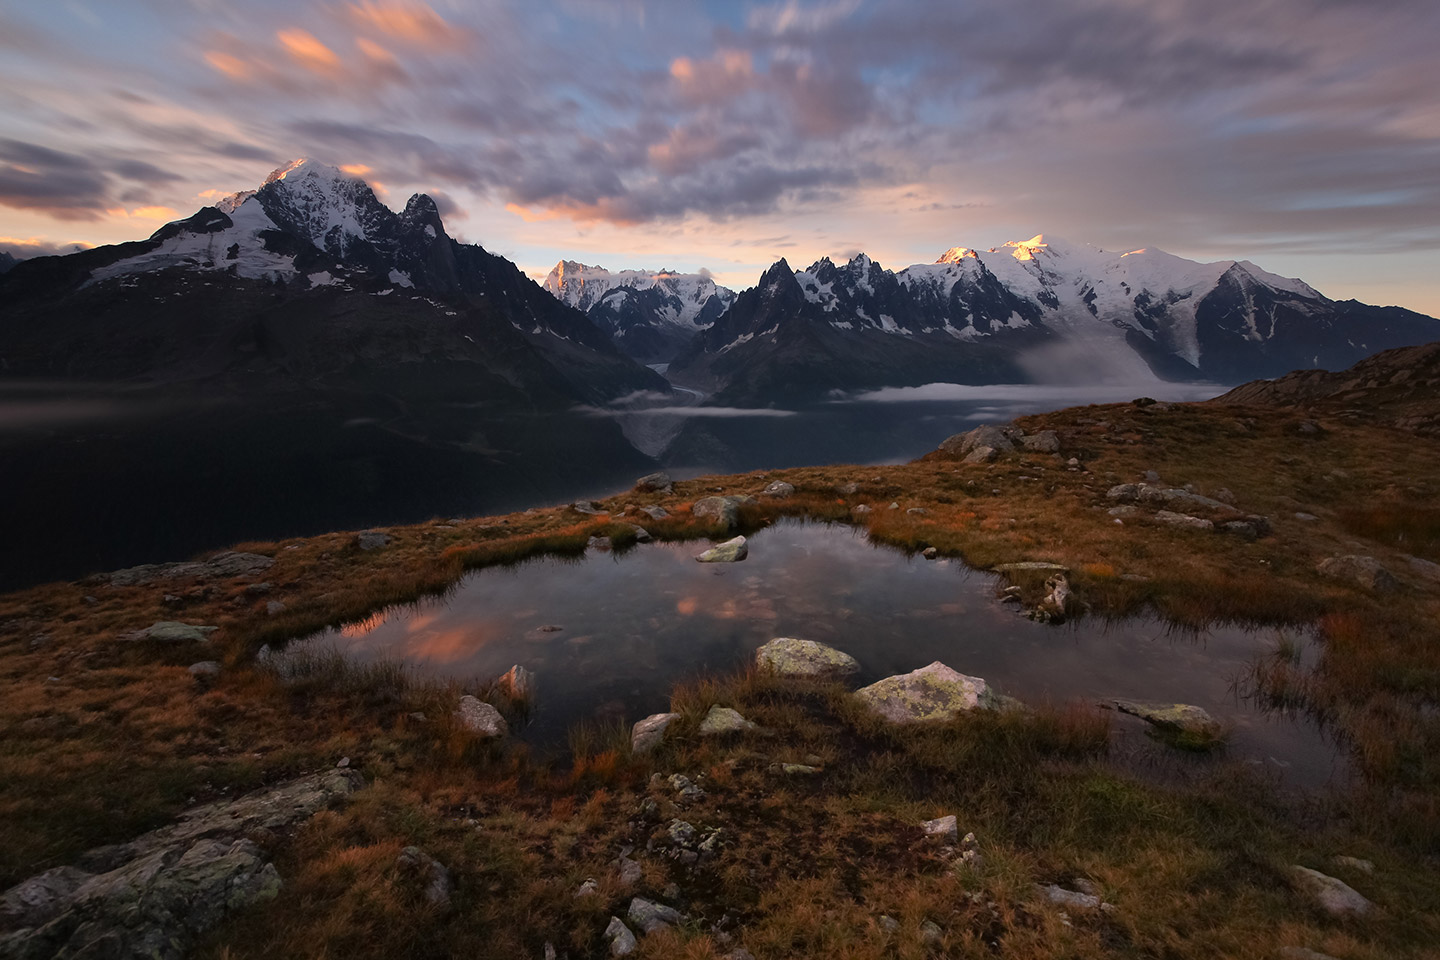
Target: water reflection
(623, 628)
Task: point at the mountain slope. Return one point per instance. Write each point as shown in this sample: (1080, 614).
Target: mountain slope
(980, 316)
(651, 315)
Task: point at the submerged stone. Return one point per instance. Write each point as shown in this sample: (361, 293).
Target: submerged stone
(789, 657)
(731, 551)
(1177, 717)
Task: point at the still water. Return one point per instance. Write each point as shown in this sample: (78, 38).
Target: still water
(631, 625)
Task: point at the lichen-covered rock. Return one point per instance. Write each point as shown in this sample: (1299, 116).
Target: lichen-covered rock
(655, 483)
(481, 718)
(152, 897)
(997, 438)
(724, 511)
(655, 512)
(1365, 571)
(173, 631)
(647, 734)
(944, 829)
(1045, 441)
(588, 508)
(1072, 899)
(1335, 897)
(935, 692)
(372, 540)
(722, 720)
(622, 941)
(779, 489)
(789, 657)
(222, 565)
(731, 551)
(1172, 519)
(982, 455)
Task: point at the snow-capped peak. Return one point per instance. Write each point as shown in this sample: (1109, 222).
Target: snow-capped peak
(330, 208)
(584, 286)
(306, 167)
(957, 254)
(228, 205)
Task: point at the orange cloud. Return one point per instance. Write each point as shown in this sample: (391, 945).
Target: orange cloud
(308, 51)
(228, 64)
(355, 169)
(413, 23)
(144, 213)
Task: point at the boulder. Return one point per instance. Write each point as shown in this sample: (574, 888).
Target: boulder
(206, 671)
(650, 916)
(997, 438)
(982, 455)
(1335, 897)
(647, 734)
(1072, 899)
(655, 483)
(1183, 521)
(944, 829)
(434, 878)
(481, 718)
(622, 941)
(789, 657)
(587, 508)
(1177, 717)
(1365, 571)
(372, 539)
(724, 511)
(641, 534)
(935, 692)
(172, 631)
(722, 720)
(1057, 603)
(599, 544)
(1045, 441)
(779, 489)
(156, 895)
(655, 513)
(730, 551)
(518, 683)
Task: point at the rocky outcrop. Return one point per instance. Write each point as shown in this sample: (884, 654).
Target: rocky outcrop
(219, 567)
(789, 657)
(1364, 571)
(935, 692)
(152, 897)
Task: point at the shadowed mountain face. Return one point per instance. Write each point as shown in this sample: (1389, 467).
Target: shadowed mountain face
(1036, 311)
(293, 359)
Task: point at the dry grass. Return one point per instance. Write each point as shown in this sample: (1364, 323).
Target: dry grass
(123, 738)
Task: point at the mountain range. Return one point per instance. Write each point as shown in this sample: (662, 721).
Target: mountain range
(1036, 310)
(651, 314)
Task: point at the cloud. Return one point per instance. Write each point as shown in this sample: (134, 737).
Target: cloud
(411, 23)
(308, 51)
(25, 248)
(717, 413)
(1028, 394)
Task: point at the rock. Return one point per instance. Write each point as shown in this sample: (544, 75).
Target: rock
(1183, 521)
(970, 855)
(518, 683)
(997, 438)
(686, 788)
(1179, 717)
(930, 934)
(935, 692)
(1045, 441)
(1243, 529)
(629, 870)
(1353, 863)
(982, 455)
(655, 513)
(739, 953)
(641, 534)
(647, 734)
(917, 511)
(481, 718)
(861, 509)
(588, 508)
(945, 829)
(156, 895)
(789, 657)
(1038, 566)
(731, 551)
(1125, 510)
(372, 539)
(1335, 897)
(437, 881)
(590, 888)
(796, 769)
(172, 631)
(655, 483)
(1072, 899)
(723, 720)
(1124, 492)
(1424, 568)
(600, 544)
(724, 511)
(682, 834)
(848, 489)
(622, 941)
(206, 671)
(1056, 605)
(1306, 517)
(1365, 571)
(779, 489)
(274, 607)
(887, 924)
(930, 553)
(650, 916)
(222, 565)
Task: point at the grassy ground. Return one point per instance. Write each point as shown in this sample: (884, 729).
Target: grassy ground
(102, 738)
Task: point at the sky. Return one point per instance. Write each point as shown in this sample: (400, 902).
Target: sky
(1303, 135)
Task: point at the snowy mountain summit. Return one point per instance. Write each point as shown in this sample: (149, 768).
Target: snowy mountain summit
(650, 313)
(1036, 309)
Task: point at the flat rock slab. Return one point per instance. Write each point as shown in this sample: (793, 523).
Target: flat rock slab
(481, 718)
(789, 657)
(647, 734)
(1365, 571)
(731, 551)
(935, 692)
(222, 565)
(173, 631)
(1181, 717)
(154, 896)
(721, 720)
(1335, 897)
